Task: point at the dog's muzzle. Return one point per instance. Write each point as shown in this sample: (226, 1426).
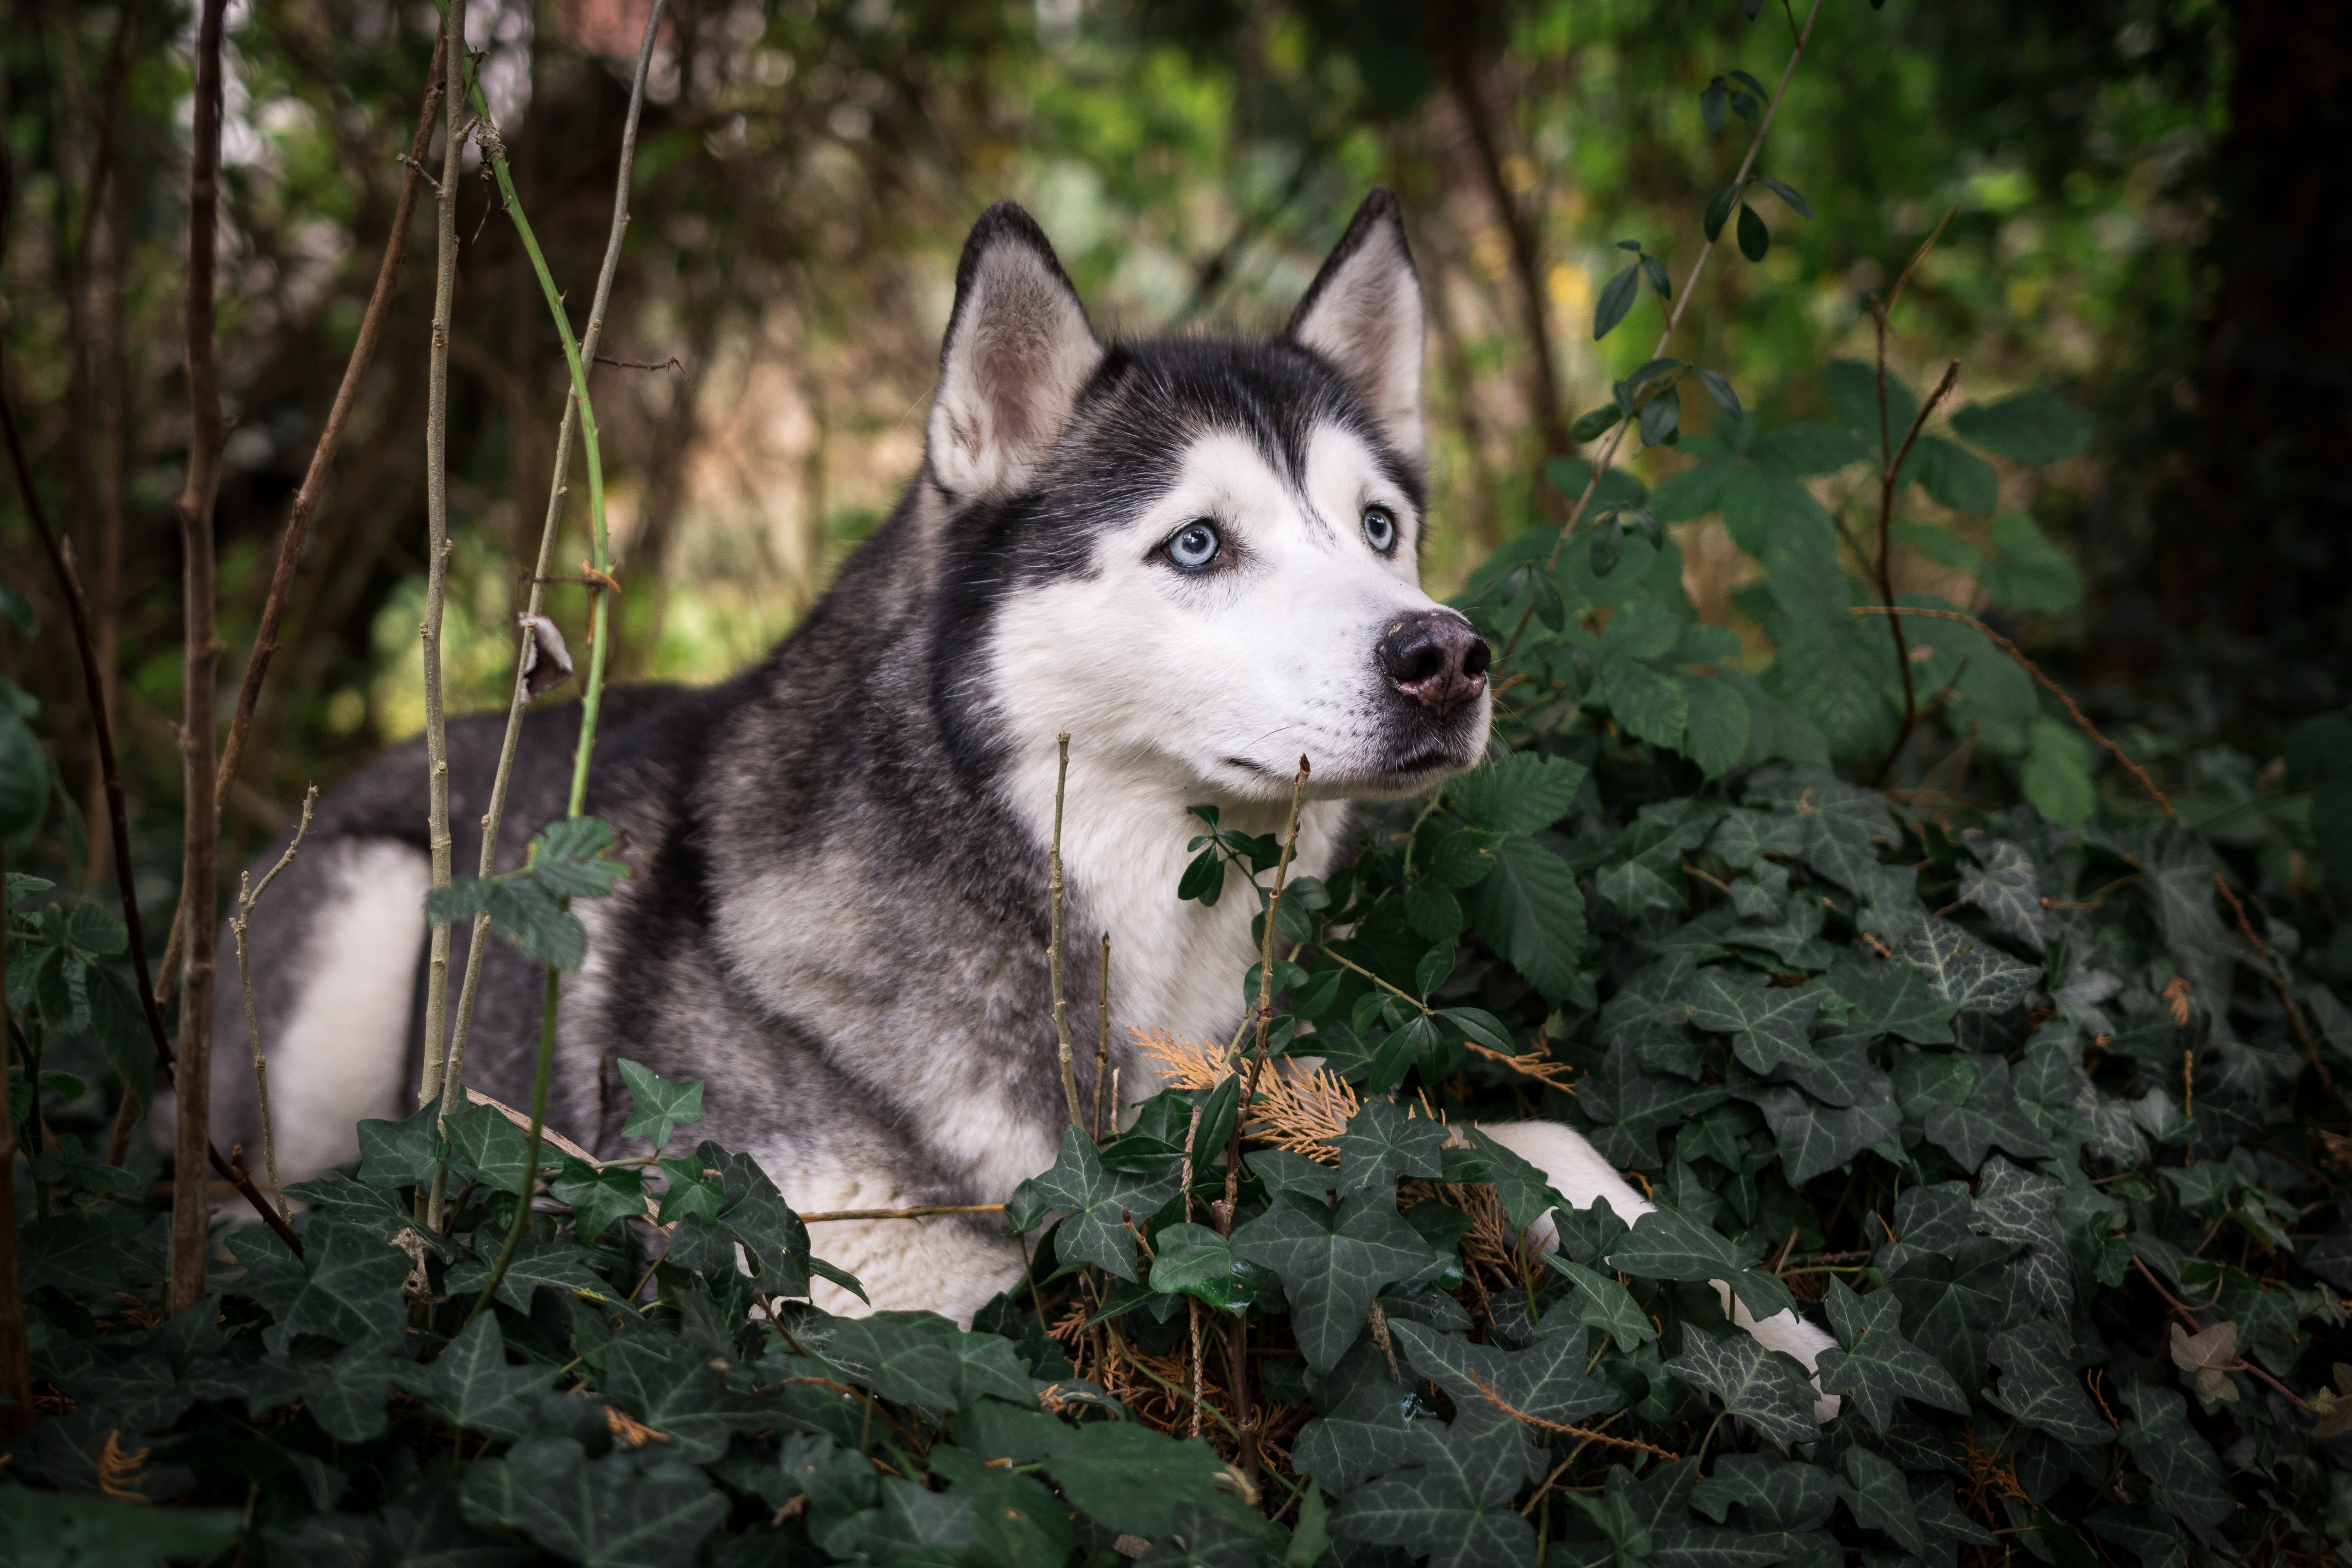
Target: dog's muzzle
(1438, 660)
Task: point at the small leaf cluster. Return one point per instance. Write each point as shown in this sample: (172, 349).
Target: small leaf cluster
(530, 907)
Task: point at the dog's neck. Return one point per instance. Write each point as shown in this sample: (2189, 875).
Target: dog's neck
(1176, 965)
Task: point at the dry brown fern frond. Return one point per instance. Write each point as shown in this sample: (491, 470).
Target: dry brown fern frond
(119, 1474)
(1300, 1112)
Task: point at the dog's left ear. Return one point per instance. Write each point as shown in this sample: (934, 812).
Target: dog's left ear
(1363, 312)
(1018, 349)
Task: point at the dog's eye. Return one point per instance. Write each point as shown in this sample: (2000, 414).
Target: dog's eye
(1194, 546)
(1380, 528)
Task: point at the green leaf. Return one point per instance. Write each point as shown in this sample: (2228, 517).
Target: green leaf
(1661, 417)
(19, 611)
(2039, 1387)
(2006, 885)
(1617, 297)
(1966, 972)
(1379, 1144)
(1204, 877)
(1648, 705)
(754, 1213)
(1434, 912)
(568, 858)
(1765, 1387)
(24, 780)
(1664, 1244)
(1523, 793)
(1130, 1478)
(1953, 1304)
(1789, 194)
(2032, 428)
(600, 1518)
(1597, 1301)
(1718, 211)
(1451, 1503)
(1755, 239)
(2057, 777)
(1194, 1260)
(1881, 1501)
(1768, 1023)
(1716, 725)
(45, 1530)
(521, 910)
(659, 1106)
(1894, 998)
(484, 1147)
(2028, 571)
(1548, 1380)
(598, 1196)
(1096, 1201)
(1332, 1262)
(404, 1152)
(690, 1191)
(1953, 476)
(1595, 424)
(1875, 1365)
(1531, 910)
(1462, 859)
(469, 1385)
(345, 1287)
(1813, 1139)
(1719, 387)
(2187, 1479)
(121, 1025)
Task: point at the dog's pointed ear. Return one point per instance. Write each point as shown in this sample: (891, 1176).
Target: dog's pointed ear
(1363, 313)
(1018, 349)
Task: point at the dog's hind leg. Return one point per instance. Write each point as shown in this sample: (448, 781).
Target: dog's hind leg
(1577, 1173)
(334, 949)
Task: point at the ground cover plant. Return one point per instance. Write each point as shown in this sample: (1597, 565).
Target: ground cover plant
(2022, 1077)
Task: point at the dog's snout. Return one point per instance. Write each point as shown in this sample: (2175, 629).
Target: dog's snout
(1437, 659)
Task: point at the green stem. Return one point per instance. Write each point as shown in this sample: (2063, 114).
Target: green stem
(531, 1153)
(1404, 995)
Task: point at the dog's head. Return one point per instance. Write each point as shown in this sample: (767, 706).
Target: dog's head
(1199, 555)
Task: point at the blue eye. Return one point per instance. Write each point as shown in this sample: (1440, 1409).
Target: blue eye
(1380, 528)
(1194, 546)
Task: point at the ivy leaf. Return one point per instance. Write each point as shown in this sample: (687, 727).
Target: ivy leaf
(1964, 971)
(1665, 1244)
(599, 1194)
(40, 1527)
(1546, 1380)
(1597, 1301)
(1331, 1264)
(345, 1287)
(404, 1152)
(1525, 1192)
(1453, 1503)
(2208, 1355)
(2187, 1479)
(560, 1265)
(1130, 1478)
(1991, 1114)
(1523, 793)
(692, 1190)
(1766, 1387)
(1813, 1138)
(469, 1385)
(545, 1487)
(1953, 1302)
(1382, 1144)
(1875, 1365)
(2038, 1387)
(1768, 1023)
(1532, 910)
(1881, 1501)
(659, 1107)
(1097, 1200)
(1194, 1260)
(484, 1147)
(2032, 428)
(1894, 998)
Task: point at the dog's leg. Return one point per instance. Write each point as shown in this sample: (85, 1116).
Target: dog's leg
(337, 1036)
(1577, 1173)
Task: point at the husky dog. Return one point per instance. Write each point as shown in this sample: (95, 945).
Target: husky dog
(1198, 557)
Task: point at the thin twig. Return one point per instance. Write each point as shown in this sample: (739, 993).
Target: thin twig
(478, 947)
(1890, 470)
(248, 896)
(191, 1211)
(600, 609)
(1054, 940)
(314, 480)
(1102, 1033)
(1674, 319)
(2047, 685)
(437, 564)
(2278, 983)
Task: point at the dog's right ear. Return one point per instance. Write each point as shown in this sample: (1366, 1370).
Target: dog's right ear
(1018, 349)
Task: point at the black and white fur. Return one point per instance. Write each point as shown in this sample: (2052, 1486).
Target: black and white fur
(837, 918)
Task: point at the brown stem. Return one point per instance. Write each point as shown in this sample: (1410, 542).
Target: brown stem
(1461, 77)
(117, 813)
(2047, 685)
(191, 1211)
(1102, 1034)
(1890, 470)
(314, 480)
(2303, 1035)
(1054, 945)
(1486, 1392)
(16, 1355)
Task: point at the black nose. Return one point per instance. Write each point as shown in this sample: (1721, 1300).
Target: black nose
(1437, 659)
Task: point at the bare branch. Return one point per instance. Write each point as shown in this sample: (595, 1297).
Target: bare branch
(249, 896)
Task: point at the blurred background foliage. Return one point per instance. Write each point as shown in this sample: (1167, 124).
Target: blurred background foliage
(2143, 218)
